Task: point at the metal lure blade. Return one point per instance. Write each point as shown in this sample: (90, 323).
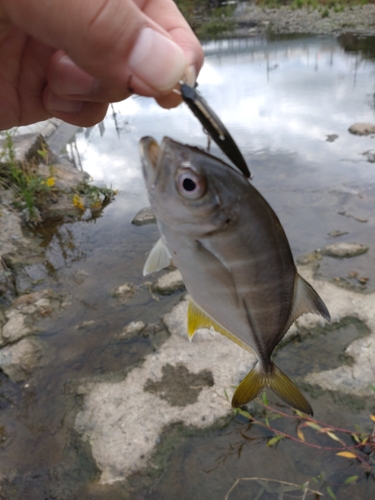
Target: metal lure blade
(214, 126)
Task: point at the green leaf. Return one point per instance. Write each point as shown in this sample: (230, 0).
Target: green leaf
(226, 394)
(334, 437)
(351, 479)
(244, 413)
(265, 399)
(275, 440)
(330, 493)
(356, 438)
(314, 426)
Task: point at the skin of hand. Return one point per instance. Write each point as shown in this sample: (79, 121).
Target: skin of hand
(71, 58)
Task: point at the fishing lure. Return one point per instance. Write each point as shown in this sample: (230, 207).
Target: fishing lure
(214, 126)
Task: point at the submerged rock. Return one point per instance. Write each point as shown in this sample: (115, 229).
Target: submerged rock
(124, 292)
(144, 216)
(14, 329)
(114, 416)
(132, 329)
(169, 283)
(336, 233)
(331, 137)
(362, 128)
(112, 420)
(309, 258)
(344, 250)
(17, 361)
(24, 311)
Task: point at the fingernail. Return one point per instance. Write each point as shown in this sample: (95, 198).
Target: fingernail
(55, 103)
(190, 75)
(70, 79)
(157, 60)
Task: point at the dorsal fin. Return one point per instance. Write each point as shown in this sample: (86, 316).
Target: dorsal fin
(197, 318)
(306, 300)
(158, 258)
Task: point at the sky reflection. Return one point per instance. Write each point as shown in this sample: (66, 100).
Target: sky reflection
(276, 98)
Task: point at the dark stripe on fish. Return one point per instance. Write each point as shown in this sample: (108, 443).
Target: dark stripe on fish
(264, 359)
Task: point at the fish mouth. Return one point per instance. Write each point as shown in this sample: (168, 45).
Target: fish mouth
(150, 152)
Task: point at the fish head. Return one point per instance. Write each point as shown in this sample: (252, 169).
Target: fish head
(189, 189)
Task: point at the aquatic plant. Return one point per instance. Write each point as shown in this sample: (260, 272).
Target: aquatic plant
(354, 445)
(277, 487)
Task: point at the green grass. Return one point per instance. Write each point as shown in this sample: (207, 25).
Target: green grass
(29, 187)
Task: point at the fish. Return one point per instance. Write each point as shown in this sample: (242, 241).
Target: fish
(233, 255)
(214, 126)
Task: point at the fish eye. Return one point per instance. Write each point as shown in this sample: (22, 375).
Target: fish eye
(190, 184)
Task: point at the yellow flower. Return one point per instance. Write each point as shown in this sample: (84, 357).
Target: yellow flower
(50, 181)
(77, 202)
(96, 206)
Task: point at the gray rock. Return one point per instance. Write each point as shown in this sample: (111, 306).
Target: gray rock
(356, 216)
(133, 328)
(331, 137)
(362, 128)
(344, 250)
(169, 283)
(85, 324)
(15, 329)
(10, 231)
(43, 302)
(66, 177)
(370, 155)
(309, 258)
(122, 442)
(144, 216)
(336, 233)
(124, 292)
(111, 417)
(17, 361)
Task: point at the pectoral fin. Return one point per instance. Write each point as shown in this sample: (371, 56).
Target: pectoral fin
(256, 380)
(158, 258)
(197, 318)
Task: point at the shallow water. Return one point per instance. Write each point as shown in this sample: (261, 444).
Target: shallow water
(280, 99)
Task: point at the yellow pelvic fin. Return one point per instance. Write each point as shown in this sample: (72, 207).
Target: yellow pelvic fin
(197, 318)
(256, 380)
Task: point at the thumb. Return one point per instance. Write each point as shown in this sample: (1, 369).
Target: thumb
(112, 40)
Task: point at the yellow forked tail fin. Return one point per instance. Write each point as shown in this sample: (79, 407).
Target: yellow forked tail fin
(256, 380)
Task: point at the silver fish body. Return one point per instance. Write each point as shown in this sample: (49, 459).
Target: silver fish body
(233, 255)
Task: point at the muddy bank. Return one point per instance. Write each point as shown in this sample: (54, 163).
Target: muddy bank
(253, 20)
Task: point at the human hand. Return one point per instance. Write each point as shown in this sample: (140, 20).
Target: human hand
(71, 58)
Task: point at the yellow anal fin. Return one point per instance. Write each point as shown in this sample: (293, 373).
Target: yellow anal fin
(197, 318)
(256, 380)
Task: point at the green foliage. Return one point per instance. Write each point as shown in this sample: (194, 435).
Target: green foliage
(336, 5)
(29, 187)
(330, 493)
(98, 197)
(207, 18)
(215, 27)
